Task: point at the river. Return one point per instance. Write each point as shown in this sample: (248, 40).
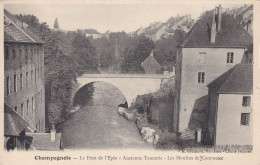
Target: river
(98, 125)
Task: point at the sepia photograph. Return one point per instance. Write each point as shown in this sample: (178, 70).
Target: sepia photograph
(175, 77)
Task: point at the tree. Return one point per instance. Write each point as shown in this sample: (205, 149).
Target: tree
(84, 54)
(166, 49)
(135, 54)
(65, 57)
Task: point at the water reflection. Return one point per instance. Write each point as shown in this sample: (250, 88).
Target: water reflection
(97, 123)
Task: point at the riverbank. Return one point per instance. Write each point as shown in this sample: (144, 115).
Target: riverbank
(97, 125)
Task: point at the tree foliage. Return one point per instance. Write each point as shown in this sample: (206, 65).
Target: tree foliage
(166, 49)
(136, 54)
(66, 56)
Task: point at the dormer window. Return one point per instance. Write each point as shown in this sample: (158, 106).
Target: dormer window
(230, 57)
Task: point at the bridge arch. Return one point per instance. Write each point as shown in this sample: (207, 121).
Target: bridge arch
(81, 86)
(131, 85)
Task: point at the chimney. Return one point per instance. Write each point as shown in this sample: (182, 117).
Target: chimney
(25, 25)
(219, 17)
(53, 133)
(213, 28)
(151, 53)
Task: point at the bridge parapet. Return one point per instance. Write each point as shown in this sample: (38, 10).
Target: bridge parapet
(131, 85)
(152, 76)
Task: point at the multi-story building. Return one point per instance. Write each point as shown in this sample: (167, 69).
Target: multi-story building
(24, 72)
(230, 107)
(158, 30)
(245, 18)
(90, 33)
(215, 44)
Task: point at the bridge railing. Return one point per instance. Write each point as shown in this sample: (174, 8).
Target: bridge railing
(159, 76)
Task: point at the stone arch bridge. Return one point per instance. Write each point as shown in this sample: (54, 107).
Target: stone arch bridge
(131, 85)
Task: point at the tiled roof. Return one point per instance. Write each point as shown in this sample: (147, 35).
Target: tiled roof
(238, 79)
(14, 31)
(152, 30)
(13, 123)
(150, 63)
(91, 31)
(231, 34)
(42, 141)
(245, 10)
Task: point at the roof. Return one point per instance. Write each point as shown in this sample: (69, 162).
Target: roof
(14, 124)
(231, 34)
(246, 10)
(16, 31)
(91, 31)
(42, 141)
(150, 61)
(238, 79)
(153, 28)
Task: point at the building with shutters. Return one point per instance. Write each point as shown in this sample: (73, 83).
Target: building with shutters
(230, 107)
(214, 45)
(23, 76)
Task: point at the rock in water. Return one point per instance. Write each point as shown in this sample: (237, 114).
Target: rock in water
(129, 116)
(148, 134)
(121, 110)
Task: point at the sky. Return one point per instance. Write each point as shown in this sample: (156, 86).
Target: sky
(110, 16)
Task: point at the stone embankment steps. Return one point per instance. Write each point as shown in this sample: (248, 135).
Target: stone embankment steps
(148, 134)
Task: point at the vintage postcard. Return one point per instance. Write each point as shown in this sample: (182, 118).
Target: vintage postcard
(130, 82)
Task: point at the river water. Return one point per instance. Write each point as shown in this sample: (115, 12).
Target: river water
(98, 125)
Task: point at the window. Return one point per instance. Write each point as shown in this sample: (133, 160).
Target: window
(35, 101)
(41, 71)
(15, 109)
(22, 109)
(32, 55)
(8, 85)
(246, 101)
(14, 55)
(32, 76)
(21, 81)
(26, 80)
(6, 53)
(26, 55)
(245, 118)
(41, 95)
(27, 107)
(38, 71)
(20, 53)
(38, 97)
(201, 77)
(40, 124)
(230, 56)
(202, 58)
(15, 85)
(35, 76)
(32, 104)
